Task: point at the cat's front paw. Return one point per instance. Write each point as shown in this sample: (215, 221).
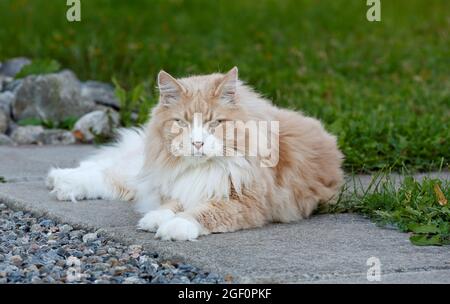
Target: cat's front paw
(153, 219)
(179, 229)
(65, 185)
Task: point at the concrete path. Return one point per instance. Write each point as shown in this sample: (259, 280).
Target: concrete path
(323, 249)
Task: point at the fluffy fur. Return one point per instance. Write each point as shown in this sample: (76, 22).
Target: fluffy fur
(190, 190)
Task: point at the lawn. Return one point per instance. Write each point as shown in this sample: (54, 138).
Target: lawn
(383, 87)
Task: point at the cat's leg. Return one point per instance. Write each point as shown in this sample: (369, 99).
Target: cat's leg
(155, 218)
(90, 180)
(214, 217)
(107, 175)
(84, 182)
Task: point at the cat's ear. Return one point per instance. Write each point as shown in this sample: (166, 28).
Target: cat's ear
(170, 89)
(226, 90)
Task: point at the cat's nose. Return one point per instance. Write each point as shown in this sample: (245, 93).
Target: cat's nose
(198, 144)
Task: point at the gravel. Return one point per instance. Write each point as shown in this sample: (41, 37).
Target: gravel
(39, 250)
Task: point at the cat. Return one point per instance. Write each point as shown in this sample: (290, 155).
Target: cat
(190, 180)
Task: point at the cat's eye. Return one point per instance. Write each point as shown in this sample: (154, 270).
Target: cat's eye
(180, 122)
(217, 122)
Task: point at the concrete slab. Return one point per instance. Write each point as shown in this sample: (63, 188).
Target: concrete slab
(361, 183)
(410, 277)
(28, 163)
(323, 249)
(34, 196)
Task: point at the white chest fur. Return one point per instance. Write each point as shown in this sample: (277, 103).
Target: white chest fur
(210, 180)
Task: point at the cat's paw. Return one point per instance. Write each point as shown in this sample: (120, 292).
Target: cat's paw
(153, 219)
(179, 229)
(65, 185)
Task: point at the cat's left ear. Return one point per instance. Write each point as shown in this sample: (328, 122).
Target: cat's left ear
(226, 90)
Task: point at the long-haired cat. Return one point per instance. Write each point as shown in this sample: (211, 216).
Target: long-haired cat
(190, 168)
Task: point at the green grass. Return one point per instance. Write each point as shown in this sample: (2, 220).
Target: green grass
(383, 88)
(66, 124)
(420, 208)
(39, 66)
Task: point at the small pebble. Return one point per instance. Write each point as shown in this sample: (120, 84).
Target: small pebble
(36, 228)
(16, 260)
(65, 228)
(89, 237)
(46, 223)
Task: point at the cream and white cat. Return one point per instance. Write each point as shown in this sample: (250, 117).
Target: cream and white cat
(192, 180)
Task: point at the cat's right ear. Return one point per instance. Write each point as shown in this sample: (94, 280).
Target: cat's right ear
(170, 89)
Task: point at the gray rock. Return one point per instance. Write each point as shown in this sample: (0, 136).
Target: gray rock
(13, 66)
(6, 100)
(57, 137)
(97, 123)
(5, 140)
(180, 280)
(4, 81)
(12, 86)
(35, 228)
(46, 223)
(89, 237)
(133, 280)
(52, 97)
(16, 260)
(65, 228)
(27, 135)
(101, 93)
(4, 121)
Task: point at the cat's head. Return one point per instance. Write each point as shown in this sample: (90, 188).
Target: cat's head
(195, 115)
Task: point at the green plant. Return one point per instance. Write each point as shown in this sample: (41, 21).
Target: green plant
(417, 207)
(39, 66)
(134, 105)
(66, 124)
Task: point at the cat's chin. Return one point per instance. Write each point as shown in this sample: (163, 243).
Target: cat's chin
(197, 159)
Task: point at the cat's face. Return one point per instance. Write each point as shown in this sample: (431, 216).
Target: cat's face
(196, 115)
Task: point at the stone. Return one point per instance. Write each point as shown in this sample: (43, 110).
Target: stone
(4, 80)
(96, 124)
(36, 280)
(16, 260)
(118, 270)
(13, 66)
(133, 280)
(46, 223)
(4, 121)
(6, 100)
(5, 140)
(36, 228)
(57, 137)
(52, 97)
(181, 280)
(27, 135)
(101, 232)
(65, 228)
(12, 86)
(101, 93)
(89, 237)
